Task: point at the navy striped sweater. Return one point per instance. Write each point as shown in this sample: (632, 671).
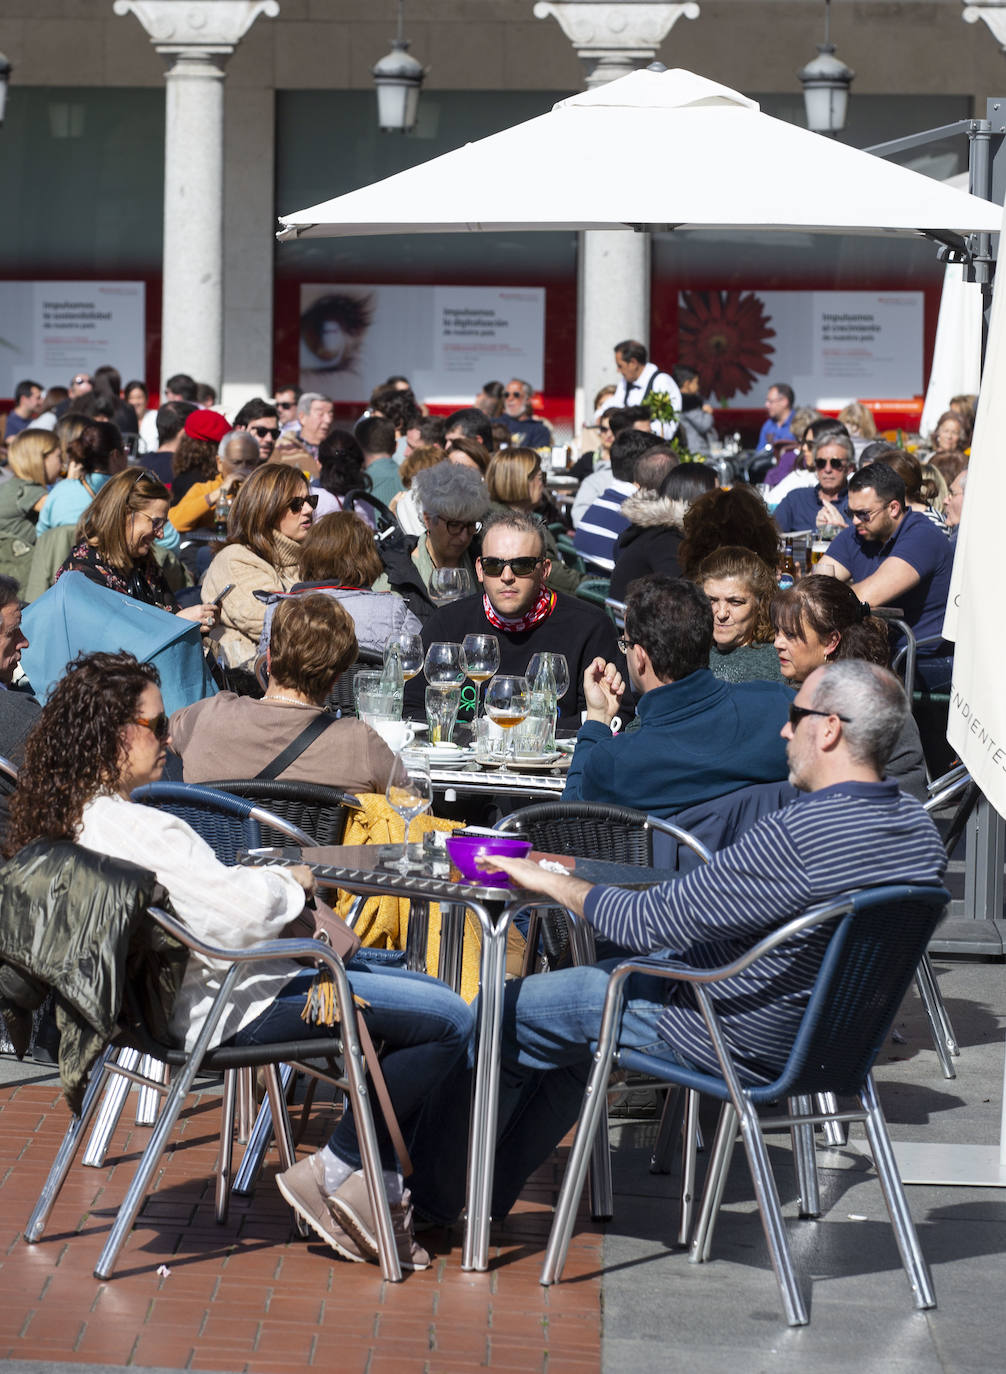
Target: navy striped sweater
(850, 835)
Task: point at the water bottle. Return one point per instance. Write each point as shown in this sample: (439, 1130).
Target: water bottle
(221, 511)
(393, 679)
(544, 688)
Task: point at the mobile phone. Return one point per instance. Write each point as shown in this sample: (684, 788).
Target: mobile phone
(220, 595)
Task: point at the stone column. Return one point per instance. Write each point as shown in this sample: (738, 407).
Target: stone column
(195, 37)
(611, 38)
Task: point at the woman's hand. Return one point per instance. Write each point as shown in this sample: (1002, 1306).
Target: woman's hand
(205, 616)
(305, 877)
(74, 470)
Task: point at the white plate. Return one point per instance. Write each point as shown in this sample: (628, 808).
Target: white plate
(520, 762)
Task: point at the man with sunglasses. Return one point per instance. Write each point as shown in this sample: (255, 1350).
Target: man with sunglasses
(894, 556)
(852, 828)
(261, 420)
(525, 430)
(515, 605)
(698, 737)
(826, 503)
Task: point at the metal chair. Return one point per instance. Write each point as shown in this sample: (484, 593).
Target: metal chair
(622, 835)
(8, 777)
(880, 936)
(318, 811)
(352, 1077)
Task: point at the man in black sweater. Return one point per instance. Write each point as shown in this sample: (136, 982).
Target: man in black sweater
(526, 617)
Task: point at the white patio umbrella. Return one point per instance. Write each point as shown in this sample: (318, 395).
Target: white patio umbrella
(957, 353)
(628, 126)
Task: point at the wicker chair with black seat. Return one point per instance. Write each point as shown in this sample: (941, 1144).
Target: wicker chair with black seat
(340, 699)
(318, 811)
(341, 1052)
(879, 937)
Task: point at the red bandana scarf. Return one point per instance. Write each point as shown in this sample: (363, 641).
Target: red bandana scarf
(541, 609)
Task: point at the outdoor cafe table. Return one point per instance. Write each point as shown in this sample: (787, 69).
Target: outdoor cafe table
(366, 870)
(469, 779)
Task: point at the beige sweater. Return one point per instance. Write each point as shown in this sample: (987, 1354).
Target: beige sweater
(241, 615)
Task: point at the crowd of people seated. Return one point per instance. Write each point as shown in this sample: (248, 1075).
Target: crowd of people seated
(297, 546)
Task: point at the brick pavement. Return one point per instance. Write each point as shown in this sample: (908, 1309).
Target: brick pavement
(250, 1296)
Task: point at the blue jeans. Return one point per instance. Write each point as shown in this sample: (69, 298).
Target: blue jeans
(550, 1026)
(426, 1029)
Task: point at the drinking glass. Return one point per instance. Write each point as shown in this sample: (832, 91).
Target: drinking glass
(507, 703)
(480, 658)
(374, 697)
(442, 712)
(410, 652)
(560, 671)
(450, 584)
(443, 665)
(409, 792)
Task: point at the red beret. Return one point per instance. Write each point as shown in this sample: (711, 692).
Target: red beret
(208, 425)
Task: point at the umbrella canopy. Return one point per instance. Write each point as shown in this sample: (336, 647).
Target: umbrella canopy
(78, 616)
(628, 125)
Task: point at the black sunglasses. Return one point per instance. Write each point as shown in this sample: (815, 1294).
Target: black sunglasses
(797, 713)
(263, 430)
(520, 567)
(837, 463)
(299, 502)
(159, 726)
(285, 405)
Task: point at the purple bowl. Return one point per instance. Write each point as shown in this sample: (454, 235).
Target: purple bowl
(464, 850)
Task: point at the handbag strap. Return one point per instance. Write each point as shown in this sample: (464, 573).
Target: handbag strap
(295, 748)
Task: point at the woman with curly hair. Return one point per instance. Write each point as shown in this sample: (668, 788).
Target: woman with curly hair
(740, 587)
(115, 538)
(103, 733)
(821, 620)
(734, 516)
(268, 523)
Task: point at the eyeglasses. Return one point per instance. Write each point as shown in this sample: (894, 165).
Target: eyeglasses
(863, 517)
(797, 713)
(624, 645)
(159, 726)
(520, 567)
(604, 429)
(837, 463)
(285, 405)
(79, 381)
(456, 527)
(299, 502)
(156, 525)
(263, 431)
(513, 393)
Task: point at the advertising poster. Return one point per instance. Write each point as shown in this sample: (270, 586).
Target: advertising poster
(51, 329)
(447, 340)
(832, 347)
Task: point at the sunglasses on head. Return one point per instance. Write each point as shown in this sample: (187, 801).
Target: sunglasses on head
(520, 567)
(159, 726)
(837, 463)
(299, 502)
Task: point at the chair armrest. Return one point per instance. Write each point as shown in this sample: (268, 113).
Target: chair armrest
(258, 953)
(686, 838)
(285, 827)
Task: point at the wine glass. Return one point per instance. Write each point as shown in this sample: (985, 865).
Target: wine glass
(480, 658)
(409, 792)
(560, 671)
(410, 652)
(508, 699)
(444, 666)
(450, 584)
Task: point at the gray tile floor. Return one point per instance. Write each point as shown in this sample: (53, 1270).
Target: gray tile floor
(662, 1313)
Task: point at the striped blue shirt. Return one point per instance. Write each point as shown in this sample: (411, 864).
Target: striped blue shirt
(602, 523)
(850, 835)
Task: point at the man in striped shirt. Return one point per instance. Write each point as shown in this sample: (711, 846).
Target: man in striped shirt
(853, 828)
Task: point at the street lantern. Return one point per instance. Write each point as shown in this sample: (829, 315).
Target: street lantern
(5, 71)
(398, 78)
(826, 81)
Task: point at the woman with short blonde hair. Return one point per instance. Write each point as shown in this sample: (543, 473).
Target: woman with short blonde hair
(34, 457)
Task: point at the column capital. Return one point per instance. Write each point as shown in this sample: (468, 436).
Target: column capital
(615, 37)
(203, 28)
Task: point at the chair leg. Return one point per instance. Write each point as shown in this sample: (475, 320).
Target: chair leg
(944, 1041)
(112, 1103)
(417, 935)
(835, 1133)
(148, 1100)
(245, 1103)
(805, 1161)
(225, 1155)
(592, 1113)
(602, 1197)
(531, 944)
(284, 1136)
(916, 1269)
(716, 1178)
(668, 1130)
(452, 937)
(689, 1149)
(68, 1148)
(258, 1142)
(771, 1214)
